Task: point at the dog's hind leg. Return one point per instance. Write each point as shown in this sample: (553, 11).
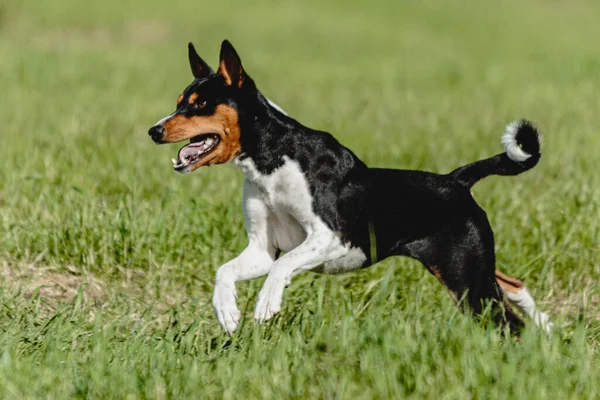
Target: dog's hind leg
(464, 262)
(471, 282)
(519, 296)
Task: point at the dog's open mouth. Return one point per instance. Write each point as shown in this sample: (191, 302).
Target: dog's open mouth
(198, 148)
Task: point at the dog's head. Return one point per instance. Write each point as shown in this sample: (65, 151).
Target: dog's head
(207, 112)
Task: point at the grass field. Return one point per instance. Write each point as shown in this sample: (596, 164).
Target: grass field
(108, 256)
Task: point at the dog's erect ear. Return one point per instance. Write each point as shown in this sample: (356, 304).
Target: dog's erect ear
(200, 69)
(230, 65)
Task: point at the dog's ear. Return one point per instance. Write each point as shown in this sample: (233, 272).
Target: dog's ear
(230, 65)
(200, 69)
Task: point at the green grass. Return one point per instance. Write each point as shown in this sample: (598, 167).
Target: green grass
(108, 256)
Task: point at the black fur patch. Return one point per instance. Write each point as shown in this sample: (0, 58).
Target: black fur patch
(528, 138)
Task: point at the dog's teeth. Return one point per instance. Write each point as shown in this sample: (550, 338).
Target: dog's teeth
(174, 161)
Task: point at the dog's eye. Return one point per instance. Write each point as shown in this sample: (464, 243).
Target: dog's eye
(200, 104)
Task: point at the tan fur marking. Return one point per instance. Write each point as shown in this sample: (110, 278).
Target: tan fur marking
(179, 99)
(436, 272)
(193, 98)
(223, 71)
(228, 78)
(224, 123)
(509, 284)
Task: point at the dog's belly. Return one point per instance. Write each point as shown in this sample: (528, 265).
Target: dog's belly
(287, 232)
(354, 259)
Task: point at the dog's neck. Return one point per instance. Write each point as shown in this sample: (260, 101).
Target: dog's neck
(268, 117)
(264, 129)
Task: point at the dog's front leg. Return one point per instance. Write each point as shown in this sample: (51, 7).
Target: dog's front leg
(318, 248)
(254, 262)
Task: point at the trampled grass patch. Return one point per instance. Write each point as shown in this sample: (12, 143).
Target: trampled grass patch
(108, 256)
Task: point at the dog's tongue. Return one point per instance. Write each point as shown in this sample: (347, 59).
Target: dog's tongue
(191, 149)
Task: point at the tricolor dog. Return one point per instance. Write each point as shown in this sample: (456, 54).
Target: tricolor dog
(311, 205)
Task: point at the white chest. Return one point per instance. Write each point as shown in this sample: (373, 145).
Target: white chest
(284, 190)
(286, 195)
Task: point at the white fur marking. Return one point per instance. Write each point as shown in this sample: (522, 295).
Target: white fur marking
(165, 119)
(275, 106)
(524, 302)
(351, 261)
(509, 140)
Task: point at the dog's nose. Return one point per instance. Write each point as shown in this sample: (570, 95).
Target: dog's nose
(156, 133)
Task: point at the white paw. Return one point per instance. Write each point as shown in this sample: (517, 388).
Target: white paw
(543, 321)
(269, 300)
(225, 308)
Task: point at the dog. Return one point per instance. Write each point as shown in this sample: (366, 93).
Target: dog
(310, 204)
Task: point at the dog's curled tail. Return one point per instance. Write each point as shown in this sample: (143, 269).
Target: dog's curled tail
(522, 144)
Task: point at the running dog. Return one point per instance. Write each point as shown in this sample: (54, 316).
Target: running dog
(310, 204)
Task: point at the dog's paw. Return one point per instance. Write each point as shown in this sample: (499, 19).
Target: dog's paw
(543, 321)
(226, 309)
(269, 300)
